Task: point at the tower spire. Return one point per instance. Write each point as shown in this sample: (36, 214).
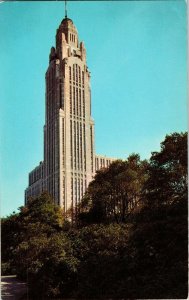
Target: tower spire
(65, 9)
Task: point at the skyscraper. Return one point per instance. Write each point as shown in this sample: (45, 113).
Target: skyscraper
(70, 161)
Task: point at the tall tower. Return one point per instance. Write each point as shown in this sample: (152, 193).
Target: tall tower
(69, 129)
(69, 154)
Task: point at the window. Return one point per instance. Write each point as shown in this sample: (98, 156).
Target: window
(75, 144)
(91, 133)
(73, 72)
(70, 100)
(79, 75)
(84, 138)
(71, 145)
(75, 191)
(77, 101)
(72, 189)
(76, 73)
(83, 78)
(74, 100)
(81, 150)
(83, 104)
(63, 142)
(70, 73)
(81, 187)
(79, 190)
(78, 166)
(80, 102)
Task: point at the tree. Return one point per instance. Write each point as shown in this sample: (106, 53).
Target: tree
(167, 181)
(43, 209)
(26, 233)
(115, 191)
(9, 238)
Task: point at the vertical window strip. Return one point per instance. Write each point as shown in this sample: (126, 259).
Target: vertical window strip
(80, 103)
(70, 99)
(76, 73)
(63, 144)
(83, 80)
(91, 133)
(77, 101)
(70, 73)
(75, 202)
(82, 188)
(74, 144)
(83, 104)
(78, 158)
(81, 146)
(60, 95)
(63, 192)
(72, 189)
(79, 75)
(73, 72)
(74, 100)
(79, 191)
(71, 145)
(84, 137)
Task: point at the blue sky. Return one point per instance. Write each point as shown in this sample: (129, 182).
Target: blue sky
(136, 52)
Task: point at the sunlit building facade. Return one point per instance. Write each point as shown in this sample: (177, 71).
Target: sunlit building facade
(70, 161)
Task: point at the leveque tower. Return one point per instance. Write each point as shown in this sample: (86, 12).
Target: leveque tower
(70, 161)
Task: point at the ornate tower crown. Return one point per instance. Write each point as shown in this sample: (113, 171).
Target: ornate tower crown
(68, 28)
(67, 42)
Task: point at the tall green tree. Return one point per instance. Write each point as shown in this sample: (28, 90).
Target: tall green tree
(167, 180)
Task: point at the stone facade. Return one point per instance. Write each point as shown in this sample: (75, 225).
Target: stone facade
(69, 140)
(35, 182)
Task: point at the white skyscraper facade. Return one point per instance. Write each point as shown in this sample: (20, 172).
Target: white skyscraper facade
(70, 161)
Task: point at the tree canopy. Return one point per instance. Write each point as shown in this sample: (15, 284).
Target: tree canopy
(168, 181)
(115, 191)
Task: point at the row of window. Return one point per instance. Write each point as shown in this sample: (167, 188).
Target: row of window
(78, 188)
(34, 190)
(50, 78)
(51, 93)
(77, 145)
(50, 148)
(101, 163)
(50, 106)
(77, 102)
(75, 74)
(72, 37)
(61, 94)
(36, 175)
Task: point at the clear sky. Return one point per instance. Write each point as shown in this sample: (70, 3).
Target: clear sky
(136, 52)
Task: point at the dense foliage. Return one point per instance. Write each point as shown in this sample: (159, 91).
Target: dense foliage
(115, 191)
(130, 240)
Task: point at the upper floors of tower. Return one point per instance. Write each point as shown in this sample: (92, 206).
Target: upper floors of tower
(67, 42)
(67, 76)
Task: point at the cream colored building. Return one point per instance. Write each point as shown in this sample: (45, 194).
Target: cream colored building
(70, 161)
